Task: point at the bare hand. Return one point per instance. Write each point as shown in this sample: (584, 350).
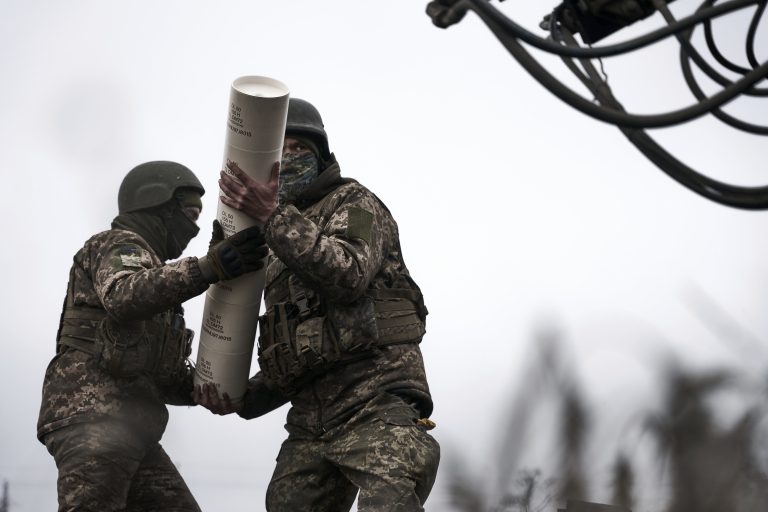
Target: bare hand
(241, 192)
(208, 396)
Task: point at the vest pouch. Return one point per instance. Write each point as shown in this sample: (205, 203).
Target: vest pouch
(292, 350)
(276, 355)
(398, 320)
(170, 370)
(354, 324)
(126, 348)
(311, 337)
(278, 366)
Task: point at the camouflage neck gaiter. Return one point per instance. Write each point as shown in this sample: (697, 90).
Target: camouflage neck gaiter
(297, 171)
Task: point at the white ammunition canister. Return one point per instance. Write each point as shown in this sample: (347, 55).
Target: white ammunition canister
(258, 108)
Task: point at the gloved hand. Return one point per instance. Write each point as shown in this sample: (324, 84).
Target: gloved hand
(217, 233)
(231, 257)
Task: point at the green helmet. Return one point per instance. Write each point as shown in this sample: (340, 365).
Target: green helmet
(304, 120)
(154, 183)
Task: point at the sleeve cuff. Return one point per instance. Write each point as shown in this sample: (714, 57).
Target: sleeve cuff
(200, 269)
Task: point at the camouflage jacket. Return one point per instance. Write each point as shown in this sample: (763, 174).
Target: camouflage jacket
(118, 272)
(338, 243)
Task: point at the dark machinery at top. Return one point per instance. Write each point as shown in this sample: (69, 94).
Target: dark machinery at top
(593, 20)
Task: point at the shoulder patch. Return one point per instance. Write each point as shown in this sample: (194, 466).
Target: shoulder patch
(359, 223)
(130, 256)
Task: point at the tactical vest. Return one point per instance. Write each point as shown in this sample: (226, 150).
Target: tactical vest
(302, 336)
(157, 347)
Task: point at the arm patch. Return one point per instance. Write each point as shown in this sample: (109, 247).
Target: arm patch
(130, 256)
(359, 223)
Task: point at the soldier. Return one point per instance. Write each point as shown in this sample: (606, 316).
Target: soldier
(339, 338)
(122, 347)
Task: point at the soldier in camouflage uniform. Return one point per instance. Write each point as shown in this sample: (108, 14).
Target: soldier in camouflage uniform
(122, 347)
(339, 338)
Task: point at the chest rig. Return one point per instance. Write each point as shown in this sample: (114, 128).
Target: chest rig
(157, 347)
(303, 335)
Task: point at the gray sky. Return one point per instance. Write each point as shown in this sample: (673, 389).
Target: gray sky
(515, 211)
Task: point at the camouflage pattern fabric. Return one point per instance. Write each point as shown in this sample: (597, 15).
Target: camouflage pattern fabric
(380, 451)
(314, 245)
(116, 271)
(107, 466)
(337, 242)
(297, 171)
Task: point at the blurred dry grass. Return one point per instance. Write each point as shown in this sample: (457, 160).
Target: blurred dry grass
(705, 467)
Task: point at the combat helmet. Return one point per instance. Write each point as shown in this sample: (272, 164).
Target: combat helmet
(304, 120)
(154, 183)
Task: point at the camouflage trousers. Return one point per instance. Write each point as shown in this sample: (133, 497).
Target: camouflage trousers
(107, 466)
(380, 452)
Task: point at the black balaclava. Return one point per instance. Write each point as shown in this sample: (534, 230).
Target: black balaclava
(166, 228)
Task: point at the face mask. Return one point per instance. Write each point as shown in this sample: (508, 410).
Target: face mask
(181, 229)
(297, 171)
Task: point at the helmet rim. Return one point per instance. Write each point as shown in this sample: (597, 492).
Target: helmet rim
(154, 183)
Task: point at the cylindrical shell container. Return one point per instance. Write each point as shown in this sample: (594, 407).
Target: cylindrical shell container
(258, 109)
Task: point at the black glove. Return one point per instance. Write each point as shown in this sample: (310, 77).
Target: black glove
(231, 257)
(217, 234)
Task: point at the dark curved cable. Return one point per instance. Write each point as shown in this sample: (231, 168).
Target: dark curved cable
(571, 65)
(608, 115)
(603, 51)
(688, 52)
(746, 198)
(712, 45)
(661, 6)
(718, 113)
(751, 34)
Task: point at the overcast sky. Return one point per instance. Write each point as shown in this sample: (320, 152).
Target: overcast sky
(515, 211)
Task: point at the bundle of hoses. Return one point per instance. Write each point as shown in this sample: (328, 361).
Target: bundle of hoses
(448, 12)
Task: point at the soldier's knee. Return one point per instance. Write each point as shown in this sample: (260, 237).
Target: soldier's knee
(427, 472)
(273, 500)
(83, 492)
